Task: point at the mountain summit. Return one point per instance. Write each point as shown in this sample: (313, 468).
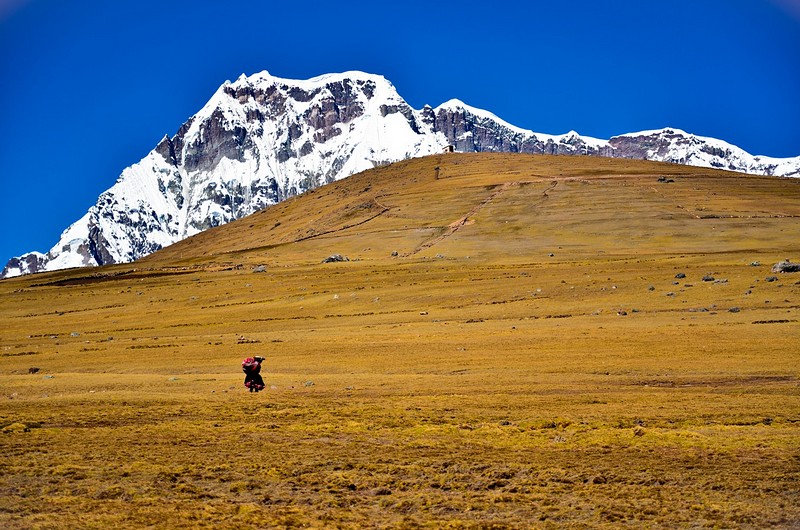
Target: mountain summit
(262, 139)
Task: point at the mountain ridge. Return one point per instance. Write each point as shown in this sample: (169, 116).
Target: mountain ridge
(261, 139)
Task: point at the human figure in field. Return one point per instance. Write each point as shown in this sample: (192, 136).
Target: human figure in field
(252, 373)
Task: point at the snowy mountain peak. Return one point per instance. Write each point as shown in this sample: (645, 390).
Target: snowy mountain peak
(264, 79)
(679, 147)
(261, 139)
(456, 105)
(666, 131)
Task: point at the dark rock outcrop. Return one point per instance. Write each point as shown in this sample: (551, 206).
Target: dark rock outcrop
(786, 266)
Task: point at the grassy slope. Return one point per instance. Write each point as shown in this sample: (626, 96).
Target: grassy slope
(527, 358)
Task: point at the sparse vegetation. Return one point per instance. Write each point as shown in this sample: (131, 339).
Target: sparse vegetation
(494, 387)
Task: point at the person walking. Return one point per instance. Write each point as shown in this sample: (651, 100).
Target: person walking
(252, 373)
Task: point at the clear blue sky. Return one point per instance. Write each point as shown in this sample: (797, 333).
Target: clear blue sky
(89, 87)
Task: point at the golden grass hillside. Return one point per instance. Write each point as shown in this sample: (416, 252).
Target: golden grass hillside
(514, 342)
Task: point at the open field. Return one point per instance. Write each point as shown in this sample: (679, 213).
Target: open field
(516, 342)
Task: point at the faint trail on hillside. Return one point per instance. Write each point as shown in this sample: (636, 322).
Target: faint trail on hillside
(698, 213)
(672, 200)
(383, 210)
(453, 227)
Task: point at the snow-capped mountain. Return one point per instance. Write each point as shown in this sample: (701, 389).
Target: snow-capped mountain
(679, 147)
(262, 139)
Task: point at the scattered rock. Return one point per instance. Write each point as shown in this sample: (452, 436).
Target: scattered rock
(755, 264)
(665, 180)
(734, 310)
(395, 254)
(680, 275)
(771, 279)
(786, 266)
(334, 258)
(260, 268)
(308, 383)
(33, 369)
(708, 278)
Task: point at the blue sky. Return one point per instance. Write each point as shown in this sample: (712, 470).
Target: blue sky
(90, 87)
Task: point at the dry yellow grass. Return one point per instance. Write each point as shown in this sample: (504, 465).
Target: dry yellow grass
(527, 358)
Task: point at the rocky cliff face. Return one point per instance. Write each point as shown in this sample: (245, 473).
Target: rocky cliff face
(679, 147)
(262, 139)
(473, 130)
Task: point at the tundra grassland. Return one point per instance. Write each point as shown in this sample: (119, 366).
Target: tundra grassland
(515, 342)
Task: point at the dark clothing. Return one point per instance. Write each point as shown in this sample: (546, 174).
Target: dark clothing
(252, 376)
(254, 382)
